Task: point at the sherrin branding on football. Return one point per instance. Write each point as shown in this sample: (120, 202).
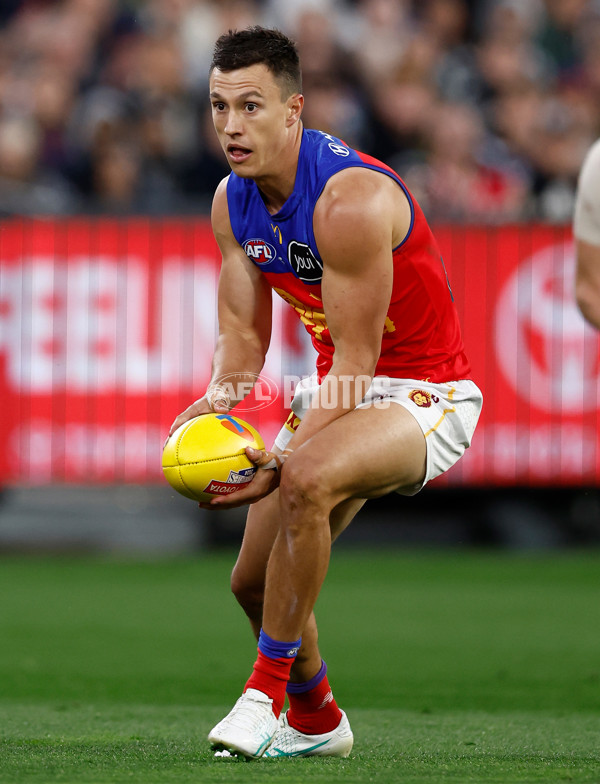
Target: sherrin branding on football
(206, 457)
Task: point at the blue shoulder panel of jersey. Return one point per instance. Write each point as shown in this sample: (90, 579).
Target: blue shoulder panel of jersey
(285, 242)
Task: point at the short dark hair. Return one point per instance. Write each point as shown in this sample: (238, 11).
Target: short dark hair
(260, 45)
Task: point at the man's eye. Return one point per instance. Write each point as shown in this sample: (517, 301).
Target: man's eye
(219, 106)
(251, 107)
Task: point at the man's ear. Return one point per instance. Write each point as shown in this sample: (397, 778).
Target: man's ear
(295, 104)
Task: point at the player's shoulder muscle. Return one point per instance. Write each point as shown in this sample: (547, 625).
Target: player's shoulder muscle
(219, 216)
(235, 264)
(360, 205)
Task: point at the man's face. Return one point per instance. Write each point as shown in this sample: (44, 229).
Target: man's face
(251, 118)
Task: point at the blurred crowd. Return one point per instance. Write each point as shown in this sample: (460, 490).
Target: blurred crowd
(486, 108)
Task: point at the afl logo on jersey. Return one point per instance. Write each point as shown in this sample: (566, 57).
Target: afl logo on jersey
(259, 251)
(304, 263)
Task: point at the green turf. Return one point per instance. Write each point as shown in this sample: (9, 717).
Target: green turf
(456, 667)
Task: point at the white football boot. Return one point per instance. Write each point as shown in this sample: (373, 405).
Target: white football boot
(248, 728)
(288, 742)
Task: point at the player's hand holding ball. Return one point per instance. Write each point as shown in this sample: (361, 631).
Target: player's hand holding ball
(205, 457)
(216, 400)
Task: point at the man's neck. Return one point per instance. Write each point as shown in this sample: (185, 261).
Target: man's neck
(277, 188)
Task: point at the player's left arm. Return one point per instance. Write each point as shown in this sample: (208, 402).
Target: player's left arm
(359, 218)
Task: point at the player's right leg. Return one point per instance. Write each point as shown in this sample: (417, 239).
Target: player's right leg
(249, 572)
(248, 579)
(314, 725)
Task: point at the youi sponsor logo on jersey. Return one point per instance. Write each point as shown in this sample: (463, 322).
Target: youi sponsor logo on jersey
(305, 265)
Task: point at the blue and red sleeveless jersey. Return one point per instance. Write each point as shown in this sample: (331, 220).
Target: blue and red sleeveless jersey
(421, 337)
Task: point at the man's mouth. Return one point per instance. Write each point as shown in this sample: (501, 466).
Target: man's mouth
(237, 153)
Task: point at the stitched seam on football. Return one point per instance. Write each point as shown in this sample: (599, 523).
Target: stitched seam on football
(210, 460)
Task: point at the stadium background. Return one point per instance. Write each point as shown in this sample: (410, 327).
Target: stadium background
(460, 626)
(108, 267)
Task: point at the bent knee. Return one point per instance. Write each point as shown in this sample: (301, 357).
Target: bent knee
(248, 592)
(304, 485)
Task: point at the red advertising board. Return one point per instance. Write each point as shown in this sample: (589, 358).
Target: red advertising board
(107, 329)
(534, 356)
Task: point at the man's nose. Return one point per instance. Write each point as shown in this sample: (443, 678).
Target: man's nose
(233, 124)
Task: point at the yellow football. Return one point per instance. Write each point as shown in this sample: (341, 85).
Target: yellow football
(205, 457)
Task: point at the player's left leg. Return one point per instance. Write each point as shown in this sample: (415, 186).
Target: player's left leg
(365, 453)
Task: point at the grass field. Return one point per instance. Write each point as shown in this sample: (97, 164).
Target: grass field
(463, 667)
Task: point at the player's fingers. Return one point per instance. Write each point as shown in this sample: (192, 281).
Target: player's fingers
(174, 426)
(268, 460)
(263, 459)
(179, 420)
(262, 484)
(242, 497)
(256, 455)
(196, 409)
(239, 498)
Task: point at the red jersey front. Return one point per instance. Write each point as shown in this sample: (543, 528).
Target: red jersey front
(421, 337)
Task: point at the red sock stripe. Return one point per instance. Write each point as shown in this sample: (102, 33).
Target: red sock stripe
(271, 676)
(314, 712)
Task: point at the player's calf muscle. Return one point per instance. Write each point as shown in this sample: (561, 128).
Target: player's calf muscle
(249, 596)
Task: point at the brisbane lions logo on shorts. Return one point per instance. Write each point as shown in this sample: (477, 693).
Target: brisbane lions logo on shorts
(420, 398)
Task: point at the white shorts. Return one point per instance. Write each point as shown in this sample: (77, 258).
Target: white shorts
(446, 413)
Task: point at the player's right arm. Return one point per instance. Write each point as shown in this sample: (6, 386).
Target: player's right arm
(587, 281)
(586, 229)
(244, 312)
